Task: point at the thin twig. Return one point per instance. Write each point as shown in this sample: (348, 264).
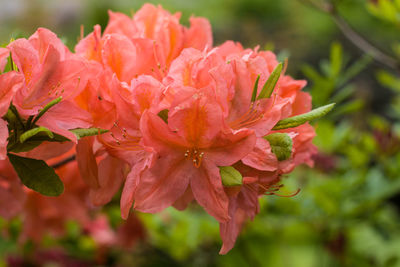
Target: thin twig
(359, 41)
(364, 45)
(63, 162)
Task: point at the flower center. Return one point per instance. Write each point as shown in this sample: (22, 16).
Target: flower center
(120, 139)
(195, 155)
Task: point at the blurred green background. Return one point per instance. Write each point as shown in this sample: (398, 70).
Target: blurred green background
(347, 213)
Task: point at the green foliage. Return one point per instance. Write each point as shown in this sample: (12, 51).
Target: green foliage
(80, 132)
(37, 175)
(32, 132)
(230, 176)
(333, 76)
(25, 135)
(303, 118)
(388, 10)
(270, 84)
(281, 145)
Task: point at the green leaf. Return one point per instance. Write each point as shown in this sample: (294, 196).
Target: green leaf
(25, 147)
(37, 175)
(269, 85)
(32, 132)
(281, 145)
(255, 88)
(336, 59)
(163, 114)
(303, 118)
(230, 176)
(80, 132)
(46, 108)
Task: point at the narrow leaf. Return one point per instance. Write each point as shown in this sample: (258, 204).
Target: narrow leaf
(37, 175)
(46, 108)
(80, 132)
(303, 118)
(281, 145)
(32, 132)
(270, 84)
(255, 88)
(230, 176)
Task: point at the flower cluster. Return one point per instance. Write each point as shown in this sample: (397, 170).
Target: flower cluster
(153, 107)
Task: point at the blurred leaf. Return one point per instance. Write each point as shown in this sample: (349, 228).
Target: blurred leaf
(389, 80)
(336, 59)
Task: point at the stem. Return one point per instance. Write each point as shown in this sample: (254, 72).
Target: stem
(15, 112)
(28, 123)
(364, 45)
(46, 108)
(354, 37)
(63, 162)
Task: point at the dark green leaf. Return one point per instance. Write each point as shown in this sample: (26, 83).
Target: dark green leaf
(303, 118)
(281, 145)
(270, 84)
(230, 176)
(37, 175)
(25, 147)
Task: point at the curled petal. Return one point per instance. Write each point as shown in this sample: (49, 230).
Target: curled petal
(121, 24)
(199, 35)
(90, 47)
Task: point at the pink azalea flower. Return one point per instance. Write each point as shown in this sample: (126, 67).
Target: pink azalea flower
(124, 143)
(157, 24)
(50, 71)
(190, 148)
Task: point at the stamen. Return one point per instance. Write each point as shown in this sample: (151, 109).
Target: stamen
(157, 61)
(195, 156)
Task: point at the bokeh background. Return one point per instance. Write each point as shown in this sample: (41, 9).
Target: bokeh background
(348, 210)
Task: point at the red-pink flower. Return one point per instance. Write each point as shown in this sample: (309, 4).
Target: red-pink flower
(190, 148)
(50, 71)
